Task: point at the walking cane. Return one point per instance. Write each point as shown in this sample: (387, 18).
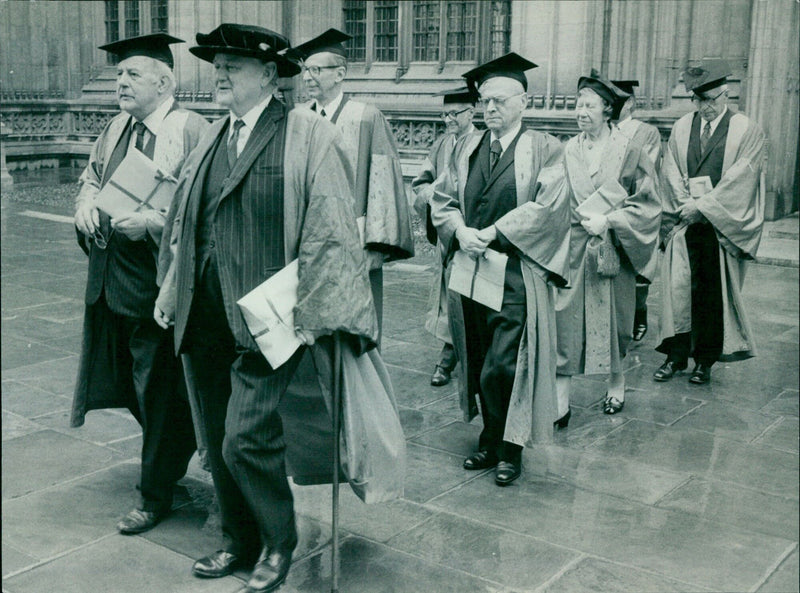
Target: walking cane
(337, 415)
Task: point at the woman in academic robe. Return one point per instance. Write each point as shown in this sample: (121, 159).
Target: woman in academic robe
(614, 228)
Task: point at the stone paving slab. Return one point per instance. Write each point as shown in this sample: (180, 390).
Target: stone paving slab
(120, 564)
(785, 578)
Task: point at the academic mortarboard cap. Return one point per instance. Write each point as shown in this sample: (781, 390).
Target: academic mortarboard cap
(615, 96)
(708, 75)
(155, 45)
(626, 85)
(460, 95)
(249, 41)
(329, 41)
(511, 65)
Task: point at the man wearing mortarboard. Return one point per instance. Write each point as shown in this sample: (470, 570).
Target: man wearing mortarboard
(505, 190)
(458, 108)
(712, 198)
(126, 359)
(648, 136)
(380, 197)
(265, 186)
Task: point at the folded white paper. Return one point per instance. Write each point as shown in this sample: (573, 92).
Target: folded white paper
(136, 185)
(699, 186)
(480, 279)
(268, 311)
(605, 199)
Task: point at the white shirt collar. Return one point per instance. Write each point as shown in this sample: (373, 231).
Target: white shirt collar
(331, 107)
(153, 121)
(251, 117)
(509, 137)
(714, 122)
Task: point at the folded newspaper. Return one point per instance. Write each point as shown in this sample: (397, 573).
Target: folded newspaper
(480, 279)
(268, 311)
(135, 186)
(605, 199)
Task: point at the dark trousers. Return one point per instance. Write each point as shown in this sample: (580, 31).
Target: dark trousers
(707, 332)
(238, 394)
(448, 357)
(642, 292)
(131, 355)
(492, 344)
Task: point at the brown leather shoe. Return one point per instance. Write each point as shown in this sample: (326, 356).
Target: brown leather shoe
(667, 370)
(139, 521)
(480, 460)
(441, 376)
(270, 571)
(701, 374)
(216, 565)
(507, 472)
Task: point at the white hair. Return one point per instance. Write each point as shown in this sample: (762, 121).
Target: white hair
(160, 69)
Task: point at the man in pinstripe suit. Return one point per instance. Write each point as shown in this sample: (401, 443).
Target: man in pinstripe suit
(126, 359)
(265, 186)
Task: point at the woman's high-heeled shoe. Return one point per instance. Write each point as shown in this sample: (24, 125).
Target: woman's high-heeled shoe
(563, 422)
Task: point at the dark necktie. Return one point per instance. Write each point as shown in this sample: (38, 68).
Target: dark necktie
(139, 129)
(705, 137)
(233, 152)
(494, 155)
(322, 112)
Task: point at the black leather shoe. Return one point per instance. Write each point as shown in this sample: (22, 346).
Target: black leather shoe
(216, 565)
(563, 422)
(667, 370)
(701, 374)
(481, 460)
(138, 521)
(441, 376)
(507, 472)
(270, 571)
(639, 332)
(611, 405)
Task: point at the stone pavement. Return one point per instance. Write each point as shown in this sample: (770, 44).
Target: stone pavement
(688, 489)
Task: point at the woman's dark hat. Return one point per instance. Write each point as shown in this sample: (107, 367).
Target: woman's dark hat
(614, 95)
(154, 46)
(249, 41)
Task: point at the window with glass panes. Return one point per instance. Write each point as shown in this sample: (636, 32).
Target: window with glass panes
(131, 18)
(501, 27)
(462, 31)
(385, 30)
(427, 20)
(355, 25)
(159, 16)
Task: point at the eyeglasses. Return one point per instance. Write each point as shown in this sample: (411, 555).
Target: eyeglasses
(700, 100)
(315, 71)
(498, 101)
(99, 240)
(454, 114)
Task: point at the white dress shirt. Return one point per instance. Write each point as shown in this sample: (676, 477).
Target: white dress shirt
(330, 108)
(152, 122)
(714, 122)
(250, 120)
(506, 139)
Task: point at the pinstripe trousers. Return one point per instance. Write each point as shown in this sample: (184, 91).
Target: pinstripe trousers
(238, 393)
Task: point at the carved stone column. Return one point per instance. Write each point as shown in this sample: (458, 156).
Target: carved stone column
(6, 182)
(771, 96)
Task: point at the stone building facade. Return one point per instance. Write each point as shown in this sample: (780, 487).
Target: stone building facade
(56, 88)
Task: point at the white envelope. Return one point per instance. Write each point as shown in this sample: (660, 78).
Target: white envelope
(268, 311)
(481, 279)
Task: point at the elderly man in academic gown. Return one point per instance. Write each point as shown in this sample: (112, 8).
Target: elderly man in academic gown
(458, 108)
(505, 190)
(126, 359)
(265, 186)
(380, 198)
(650, 138)
(713, 200)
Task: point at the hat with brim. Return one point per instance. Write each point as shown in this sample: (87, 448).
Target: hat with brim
(614, 95)
(248, 41)
(511, 65)
(626, 85)
(155, 45)
(708, 75)
(330, 41)
(459, 95)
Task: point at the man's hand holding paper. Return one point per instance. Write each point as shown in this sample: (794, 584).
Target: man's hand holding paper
(471, 241)
(133, 225)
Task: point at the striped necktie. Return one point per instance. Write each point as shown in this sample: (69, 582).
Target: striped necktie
(233, 143)
(705, 137)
